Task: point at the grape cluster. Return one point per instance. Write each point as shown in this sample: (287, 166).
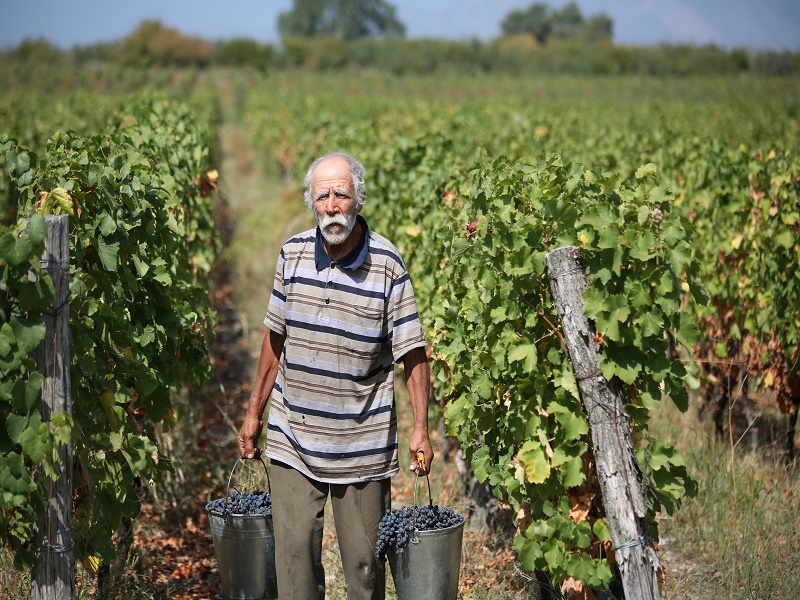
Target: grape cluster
(398, 524)
(656, 216)
(244, 503)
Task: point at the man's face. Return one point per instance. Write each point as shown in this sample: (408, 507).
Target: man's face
(333, 199)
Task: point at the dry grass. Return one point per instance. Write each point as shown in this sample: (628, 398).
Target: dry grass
(740, 537)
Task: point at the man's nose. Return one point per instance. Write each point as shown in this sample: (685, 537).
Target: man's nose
(332, 204)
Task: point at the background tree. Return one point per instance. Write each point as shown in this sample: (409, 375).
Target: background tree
(567, 23)
(242, 52)
(345, 19)
(38, 51)
(536, 21)
(153, 44)
(599, 28)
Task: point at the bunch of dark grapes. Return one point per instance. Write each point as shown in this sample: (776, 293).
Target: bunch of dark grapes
(397, 525)
(244, 503)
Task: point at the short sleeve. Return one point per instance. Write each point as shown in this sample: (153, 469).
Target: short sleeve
(276, 310)
(406, 330)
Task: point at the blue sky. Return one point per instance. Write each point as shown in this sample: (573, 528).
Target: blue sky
(754, 24)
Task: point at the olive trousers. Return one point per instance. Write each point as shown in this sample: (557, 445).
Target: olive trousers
(298, 506)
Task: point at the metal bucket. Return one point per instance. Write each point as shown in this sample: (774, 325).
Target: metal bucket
(428, 568)
(245, 550)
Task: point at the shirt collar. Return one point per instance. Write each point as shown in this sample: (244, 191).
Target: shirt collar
(354, 259)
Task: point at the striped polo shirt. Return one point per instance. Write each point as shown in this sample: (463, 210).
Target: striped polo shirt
(332, 413)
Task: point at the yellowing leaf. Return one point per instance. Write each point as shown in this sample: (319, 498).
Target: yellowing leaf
(413, 230)
(537, 467)
(107, 401)
(580, 507)
(736, 242)
(92, 563)
(769, 379)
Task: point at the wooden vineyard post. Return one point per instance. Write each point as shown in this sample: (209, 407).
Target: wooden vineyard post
(617, 469)
(53, 575)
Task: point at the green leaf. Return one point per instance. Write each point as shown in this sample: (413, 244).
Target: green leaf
(786, 239)
(645, 170)
(459, 246)
(624, 362)
(31, 442)
(482, 386)
(36, 295)
(16, 251)
(108, 225)
(108, 254)
(16, 426)
(526, 353)
(37, 228)
(615, 310)
(651, 323)
(479, 466)
(609, 237)
(29, 333)
(141, 266)
(679, 256)
(601, 530)
(18, 162)
(531, 558)
(7, 338)
(689, 333)
(569, 460)
(14, 477)
(456, 414)
(498, 314)
(574, 426)
(26, 392)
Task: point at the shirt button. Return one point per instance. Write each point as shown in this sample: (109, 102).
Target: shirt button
(327, 300)
(330, 284)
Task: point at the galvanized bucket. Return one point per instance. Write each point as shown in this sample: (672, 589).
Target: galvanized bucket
(429, 566)
(245, 550)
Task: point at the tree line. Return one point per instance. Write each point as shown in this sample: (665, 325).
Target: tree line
(340, 34)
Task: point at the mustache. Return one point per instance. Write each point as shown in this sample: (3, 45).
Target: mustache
(337, 219)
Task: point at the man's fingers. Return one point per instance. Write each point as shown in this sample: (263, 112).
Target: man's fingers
(420, 462)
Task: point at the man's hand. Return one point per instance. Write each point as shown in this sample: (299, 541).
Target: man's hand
(421, 444)
(248, 436)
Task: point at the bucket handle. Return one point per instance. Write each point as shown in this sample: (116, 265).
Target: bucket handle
(226, 513)
(421, 462)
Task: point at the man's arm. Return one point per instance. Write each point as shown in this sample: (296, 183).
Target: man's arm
(418, 380)
(266, 374)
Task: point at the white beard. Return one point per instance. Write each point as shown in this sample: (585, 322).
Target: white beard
(337, 228)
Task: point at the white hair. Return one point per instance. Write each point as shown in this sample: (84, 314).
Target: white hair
(357, 172)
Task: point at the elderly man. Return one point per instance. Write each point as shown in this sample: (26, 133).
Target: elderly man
(341, 314)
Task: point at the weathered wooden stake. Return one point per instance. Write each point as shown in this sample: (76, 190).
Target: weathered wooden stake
(53, 575)
(617, 469)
